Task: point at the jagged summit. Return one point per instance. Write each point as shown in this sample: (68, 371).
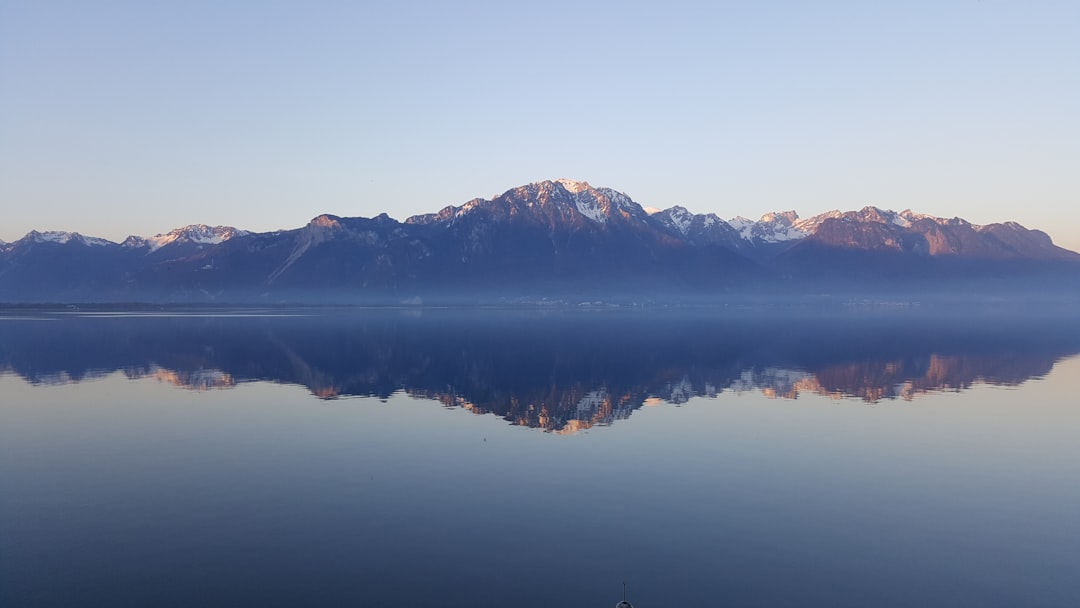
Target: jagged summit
(538, 238)
(573, 185)
(199, 234)
(551, 201)
(63, 238)
(325, 221)
(775, 227)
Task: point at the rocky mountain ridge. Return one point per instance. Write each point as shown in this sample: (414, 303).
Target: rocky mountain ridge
(550, 236)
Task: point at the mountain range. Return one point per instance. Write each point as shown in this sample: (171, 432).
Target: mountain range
(546, 239)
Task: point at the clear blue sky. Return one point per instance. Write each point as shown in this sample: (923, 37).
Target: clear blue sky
(122, 118)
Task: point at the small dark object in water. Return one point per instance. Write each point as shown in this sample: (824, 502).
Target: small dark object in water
(624, 603)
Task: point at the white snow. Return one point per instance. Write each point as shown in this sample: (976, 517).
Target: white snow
(467, 207)
(912, 217)
(810, 224)
(680, 218)
(572, 185)
(159, 241)
(743, 225)
(617, 198)
(195, 233)
(771, 228)
(590, 208)
(56, 236)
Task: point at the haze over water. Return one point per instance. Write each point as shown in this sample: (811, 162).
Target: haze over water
(708, 457)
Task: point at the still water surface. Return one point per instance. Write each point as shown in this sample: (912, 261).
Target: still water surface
(366, 458)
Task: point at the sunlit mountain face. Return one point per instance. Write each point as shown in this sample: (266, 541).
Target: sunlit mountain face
(554, 238)
(557, 371)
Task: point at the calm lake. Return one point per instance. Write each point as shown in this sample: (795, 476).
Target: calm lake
(875, 455)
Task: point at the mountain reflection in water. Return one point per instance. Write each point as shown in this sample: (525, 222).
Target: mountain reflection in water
(560, 372)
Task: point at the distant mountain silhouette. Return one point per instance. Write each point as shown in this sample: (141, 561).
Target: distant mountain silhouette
(557, 372)
(546, 239)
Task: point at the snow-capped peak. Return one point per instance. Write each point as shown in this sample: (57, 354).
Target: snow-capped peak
(572, 185)
(56, 236)
(911, 217)
(775, 227)
(597, 203)
(780, 217)
(195, 233)
(810, 224)
(134, 242)
(680, 218)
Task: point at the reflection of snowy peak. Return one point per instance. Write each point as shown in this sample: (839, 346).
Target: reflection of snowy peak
(196, 379)
(772, 382)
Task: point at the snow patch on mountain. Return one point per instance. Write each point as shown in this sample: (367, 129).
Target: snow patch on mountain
(680, 218)
(619, 199)
(910, 217)
(590, 208)
(742, 225)
(469, 206)
(810, 224)
(776, 227)
(903, 219)
(56, 236)
(573, 186)
(196, 233)
(597, 204)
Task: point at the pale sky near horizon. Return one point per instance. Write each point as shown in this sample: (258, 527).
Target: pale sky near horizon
(122, 118)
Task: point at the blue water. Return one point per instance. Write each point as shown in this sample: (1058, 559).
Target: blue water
(449, 459)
